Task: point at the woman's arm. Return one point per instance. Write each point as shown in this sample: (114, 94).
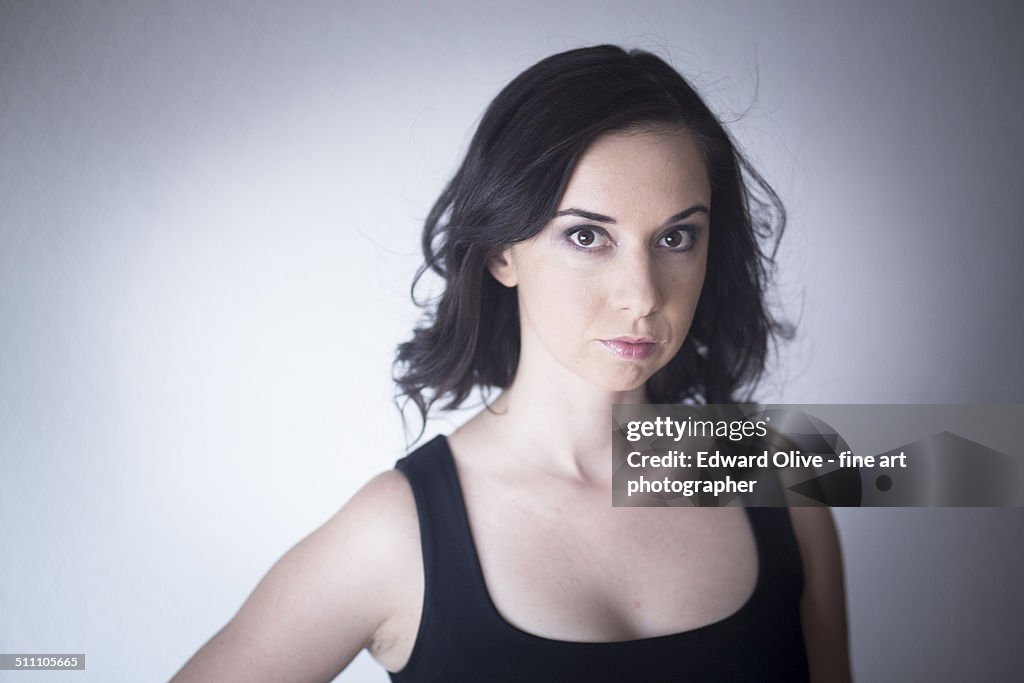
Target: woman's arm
(325, 599)
(823, 607)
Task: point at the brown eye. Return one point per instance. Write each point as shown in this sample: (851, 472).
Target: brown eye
(584, 238)
(679, 239)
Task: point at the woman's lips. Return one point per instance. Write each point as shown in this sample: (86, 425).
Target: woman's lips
(630, 348)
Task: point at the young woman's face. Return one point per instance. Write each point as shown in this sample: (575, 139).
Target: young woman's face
(609, 287)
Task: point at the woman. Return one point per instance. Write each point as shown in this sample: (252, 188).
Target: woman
(600, 244)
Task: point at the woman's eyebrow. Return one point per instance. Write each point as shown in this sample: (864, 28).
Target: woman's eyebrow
(682, 215)
(601, 218)
(589, 215)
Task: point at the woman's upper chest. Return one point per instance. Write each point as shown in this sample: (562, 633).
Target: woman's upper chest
(558, 561)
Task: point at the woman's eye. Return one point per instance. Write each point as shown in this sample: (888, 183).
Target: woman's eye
(679, 239)
(585, 238)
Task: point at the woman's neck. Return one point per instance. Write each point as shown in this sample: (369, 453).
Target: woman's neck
(556, 420)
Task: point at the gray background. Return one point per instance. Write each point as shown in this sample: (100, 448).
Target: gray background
(209, 218)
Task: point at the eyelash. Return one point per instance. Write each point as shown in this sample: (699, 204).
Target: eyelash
(690, 232)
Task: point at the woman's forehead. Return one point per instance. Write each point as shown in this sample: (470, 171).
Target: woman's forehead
(625, 172)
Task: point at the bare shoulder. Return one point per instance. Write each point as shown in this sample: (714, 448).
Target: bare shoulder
(382, 514)
(326, 598)
(823, 605)
(815, 529)
(374, 535)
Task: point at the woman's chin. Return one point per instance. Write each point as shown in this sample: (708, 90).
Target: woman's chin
(623, 381)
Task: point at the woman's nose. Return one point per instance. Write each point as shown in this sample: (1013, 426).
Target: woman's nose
(634, 285)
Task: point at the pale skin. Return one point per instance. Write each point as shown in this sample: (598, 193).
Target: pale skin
(570, 567)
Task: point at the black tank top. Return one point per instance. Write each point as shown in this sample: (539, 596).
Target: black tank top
(462, 637)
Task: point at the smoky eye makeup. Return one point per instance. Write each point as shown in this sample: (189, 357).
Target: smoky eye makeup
(679, 238)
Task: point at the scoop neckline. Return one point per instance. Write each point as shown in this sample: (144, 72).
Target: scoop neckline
(500, 619)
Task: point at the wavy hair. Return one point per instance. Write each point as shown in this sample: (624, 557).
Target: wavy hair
(508, 188)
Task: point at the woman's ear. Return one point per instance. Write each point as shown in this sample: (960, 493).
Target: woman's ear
(503, 267)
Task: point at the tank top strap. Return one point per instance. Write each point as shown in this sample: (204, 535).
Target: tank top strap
(453, 588)
(777, 547)
(779, 564)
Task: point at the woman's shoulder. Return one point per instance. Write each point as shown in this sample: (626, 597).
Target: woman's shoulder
(384, 500)
(368, 543)
(373, 536)
(823, 605)
(380, 518)
(818, 541)
(347, 584)
(380, 526)
(815, 531)
(373, 541)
